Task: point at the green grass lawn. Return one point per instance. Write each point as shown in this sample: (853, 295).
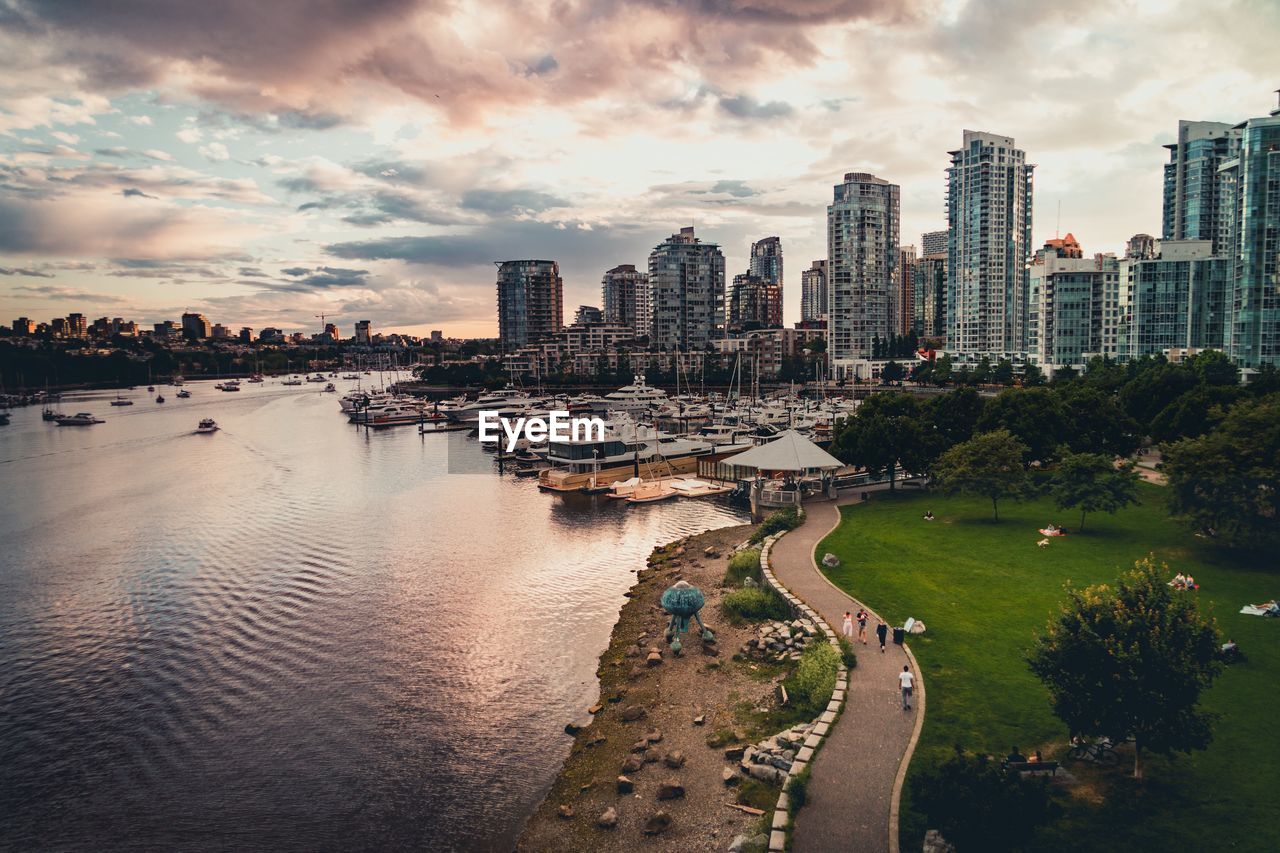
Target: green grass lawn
(984, 588)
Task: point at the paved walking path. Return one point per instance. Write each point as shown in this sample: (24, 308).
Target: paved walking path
(851, 789)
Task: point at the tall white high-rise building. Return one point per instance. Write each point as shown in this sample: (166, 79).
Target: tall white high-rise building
(989, 247)
(862, 268)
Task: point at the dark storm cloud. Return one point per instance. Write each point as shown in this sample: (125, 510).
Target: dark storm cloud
(296, 271)
(745, 107)
(134, 192)
(506, 201)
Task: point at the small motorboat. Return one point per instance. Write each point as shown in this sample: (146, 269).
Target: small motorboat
(330, 387)
(294, 381)
(159, 398)
(184, 394)
(207, 425)
(78, 419)
(151, 389)
(122, 402)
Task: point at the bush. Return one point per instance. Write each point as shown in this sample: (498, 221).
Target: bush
(810, 686)
(977, 807)
(743, 565)
(846, 652)
(783, 519)
(755, 605)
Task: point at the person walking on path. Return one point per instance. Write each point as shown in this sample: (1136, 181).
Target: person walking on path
(862, 624)
(847, 627)
(905, 678)
(882, 631)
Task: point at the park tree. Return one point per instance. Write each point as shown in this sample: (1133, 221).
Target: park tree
(1095, 423)
(1225, 482)
(1002, 373)
(883, 433)
(1091, 482)
(1131, 662)
(1214, 368)
(1032, 415)
(892, 372)
(1195, 412)
(988, 465)
(948, 419)
(977, 807)
(942, 372)
(1032, 376)
(1153, 388)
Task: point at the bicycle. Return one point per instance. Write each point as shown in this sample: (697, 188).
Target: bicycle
(1101, 752)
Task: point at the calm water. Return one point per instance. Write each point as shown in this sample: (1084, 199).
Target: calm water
(290, 634)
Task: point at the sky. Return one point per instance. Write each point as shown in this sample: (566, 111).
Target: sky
(269, 162)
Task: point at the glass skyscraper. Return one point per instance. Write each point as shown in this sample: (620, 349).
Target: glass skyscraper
(862, 267)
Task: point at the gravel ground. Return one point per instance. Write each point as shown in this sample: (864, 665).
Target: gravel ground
(672, 694)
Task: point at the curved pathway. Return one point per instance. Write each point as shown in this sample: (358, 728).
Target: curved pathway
(852, 798)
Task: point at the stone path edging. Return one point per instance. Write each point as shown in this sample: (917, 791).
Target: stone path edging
(901, 778)
(781, 824)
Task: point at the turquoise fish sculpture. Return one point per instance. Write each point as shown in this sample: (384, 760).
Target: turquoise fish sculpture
(684, 601)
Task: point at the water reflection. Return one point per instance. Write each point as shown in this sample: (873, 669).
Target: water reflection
(292, 634)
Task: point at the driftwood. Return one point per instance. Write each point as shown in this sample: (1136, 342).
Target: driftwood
(748, 809)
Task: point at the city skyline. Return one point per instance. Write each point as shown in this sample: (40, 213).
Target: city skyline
(151, 171)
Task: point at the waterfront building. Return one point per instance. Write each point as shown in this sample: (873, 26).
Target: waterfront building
(813, 292)
(933, 243)
(166, 329)
(931, 294)
(530, 302)
(246, 335)
(766, 264)
(364, 332)
(195, 327)
(989, 193)
(588, 314)
(904, 299)
(24, 326)
(219, 332)
(754, 303)
(77, 325)
(437, 336)
(1076, 306)
(862, 265)
(1141, 247)
(1249, 238)
(1193, 199)
(271, 335)
(1176, 300)
(686, 287)
(624, 291)
(330, 333)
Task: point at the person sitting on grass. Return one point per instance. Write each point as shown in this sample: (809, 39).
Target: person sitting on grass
(1272, 607)
(928, 516)
(1179, 581)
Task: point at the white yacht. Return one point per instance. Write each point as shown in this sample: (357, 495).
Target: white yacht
(207, 425)
(391, 413)
(184, 394)
(78, 419)
(635, 398)
(319, 377)
(505, 401)
(625, 443)
(292, 381)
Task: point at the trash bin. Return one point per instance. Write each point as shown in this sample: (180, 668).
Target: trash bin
(899, 634)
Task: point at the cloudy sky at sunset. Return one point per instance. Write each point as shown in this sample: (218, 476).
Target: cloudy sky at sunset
(265, 162)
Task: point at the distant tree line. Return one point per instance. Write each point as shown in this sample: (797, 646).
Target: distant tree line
(1220, 441)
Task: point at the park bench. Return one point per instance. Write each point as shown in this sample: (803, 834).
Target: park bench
(1050, 767)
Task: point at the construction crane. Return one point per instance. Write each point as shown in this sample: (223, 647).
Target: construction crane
(321, 317)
